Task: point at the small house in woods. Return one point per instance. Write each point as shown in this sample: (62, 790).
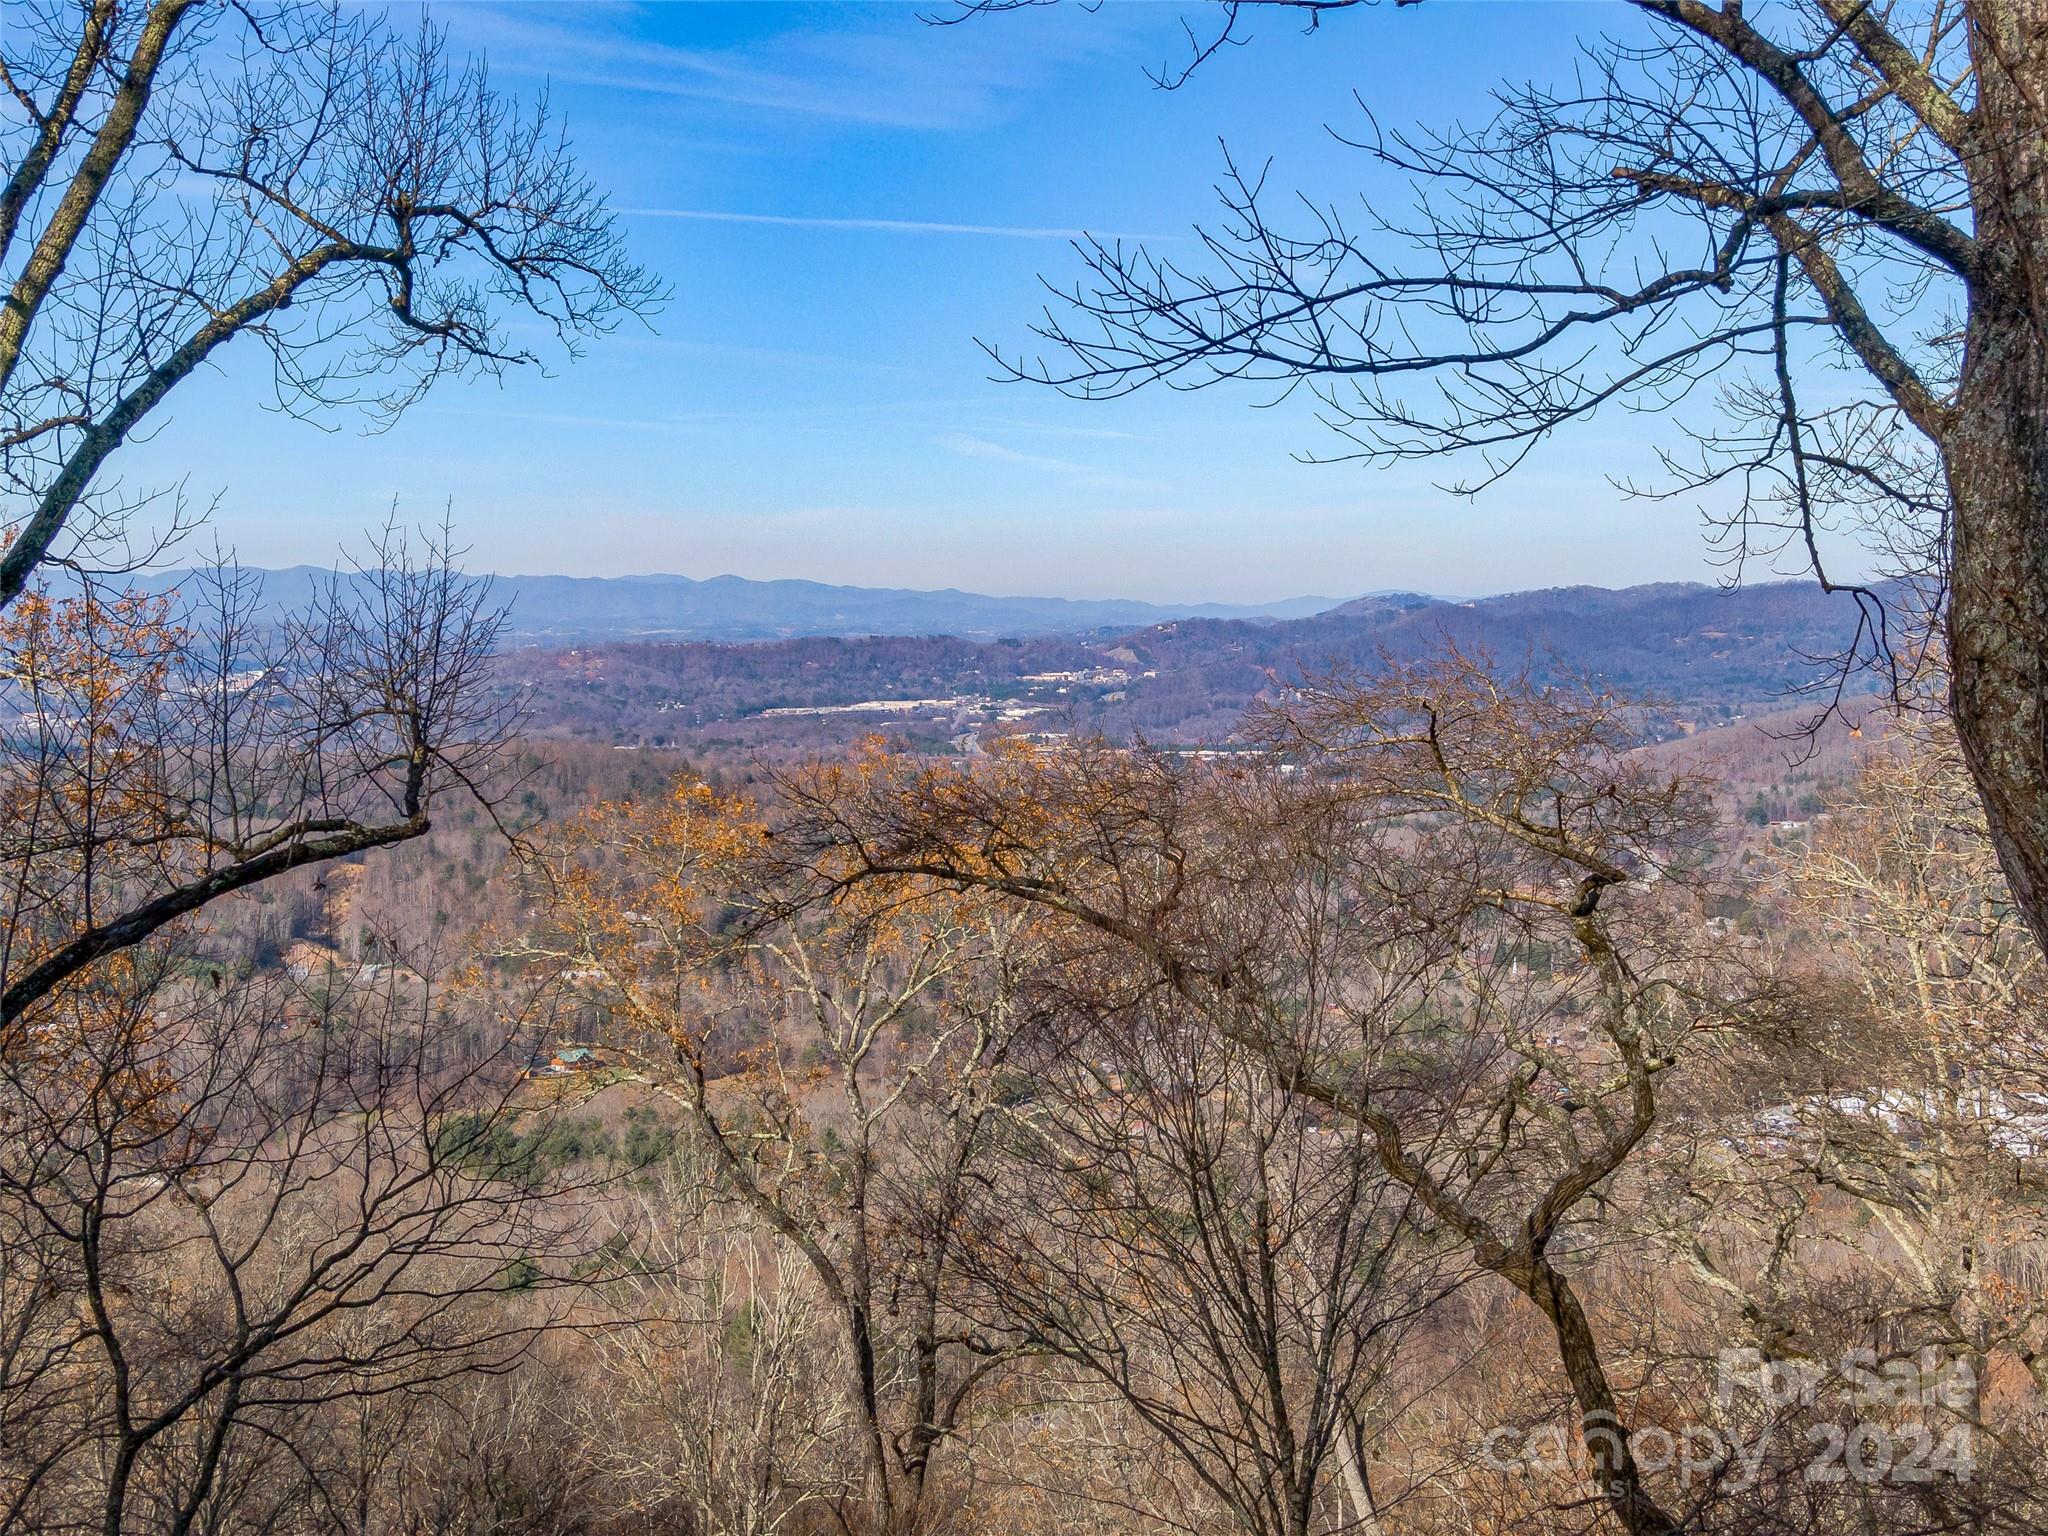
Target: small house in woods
(564, 1062)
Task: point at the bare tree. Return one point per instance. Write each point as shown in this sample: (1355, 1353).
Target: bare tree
(1413, 932)
(374, 214)
(169, 755)
(855, 1109)
(1739, 197)
(1234, 1265)
(226, 1212)
(721, 1395)
(1855, 1195)
(181, 173)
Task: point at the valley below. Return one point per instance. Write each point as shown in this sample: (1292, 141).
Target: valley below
(1695, 655)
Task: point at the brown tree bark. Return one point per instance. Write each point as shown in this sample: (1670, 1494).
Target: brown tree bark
(1996, 454)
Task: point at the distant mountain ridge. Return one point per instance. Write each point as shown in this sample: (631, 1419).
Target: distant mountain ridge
(586, 609)
(737, 608)
(1709, 652)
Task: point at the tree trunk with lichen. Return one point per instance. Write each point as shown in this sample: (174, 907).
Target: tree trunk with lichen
(1996, 453)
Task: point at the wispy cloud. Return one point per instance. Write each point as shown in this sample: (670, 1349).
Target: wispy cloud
(828, 417)
(880, 67)
(884, 226)
(971, 447)
(1058, 429)
(981, 448)
(598, 46)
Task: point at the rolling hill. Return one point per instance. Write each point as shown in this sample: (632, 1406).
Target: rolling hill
(1709, 653)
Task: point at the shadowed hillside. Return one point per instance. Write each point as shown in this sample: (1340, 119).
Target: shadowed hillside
(1712, 654)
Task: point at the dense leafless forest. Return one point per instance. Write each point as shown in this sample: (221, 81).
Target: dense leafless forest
(1388, 1077)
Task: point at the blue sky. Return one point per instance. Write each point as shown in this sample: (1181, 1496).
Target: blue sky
(843, 199)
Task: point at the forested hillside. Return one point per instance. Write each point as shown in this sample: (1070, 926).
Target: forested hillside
(1572, 1063)
(1710, 653)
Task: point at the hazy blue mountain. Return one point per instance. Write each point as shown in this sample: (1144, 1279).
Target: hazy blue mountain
(735, 608)
(662, 607)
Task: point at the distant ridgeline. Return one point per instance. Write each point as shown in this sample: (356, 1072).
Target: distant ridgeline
(1710, 654)
(563, 610)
